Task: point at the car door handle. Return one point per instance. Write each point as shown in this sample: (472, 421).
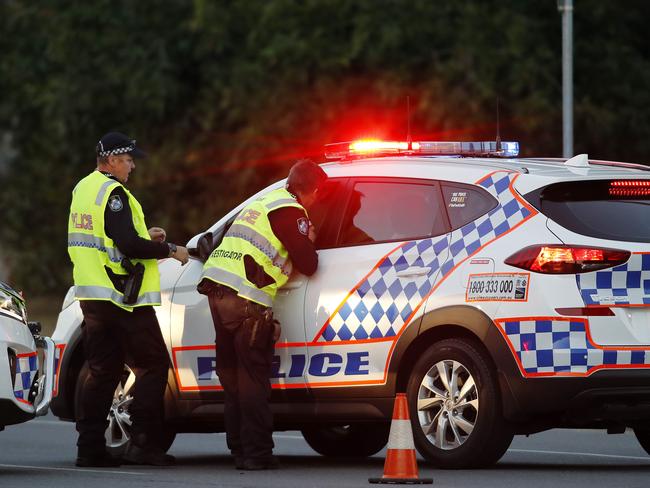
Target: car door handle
(413, 271)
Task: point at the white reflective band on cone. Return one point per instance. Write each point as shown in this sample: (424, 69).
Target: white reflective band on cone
(400, 435)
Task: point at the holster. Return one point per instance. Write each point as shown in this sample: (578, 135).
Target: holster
(261, 325)
(133, 281)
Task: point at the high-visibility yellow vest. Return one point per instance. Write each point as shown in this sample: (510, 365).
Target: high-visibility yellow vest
(91, 250)
(251, 234)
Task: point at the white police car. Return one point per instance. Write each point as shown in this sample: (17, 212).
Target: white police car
(504, 296)
(25, 386)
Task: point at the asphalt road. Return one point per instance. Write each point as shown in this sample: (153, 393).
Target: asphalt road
(42, 452)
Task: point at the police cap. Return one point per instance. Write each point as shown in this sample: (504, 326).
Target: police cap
(115, 143)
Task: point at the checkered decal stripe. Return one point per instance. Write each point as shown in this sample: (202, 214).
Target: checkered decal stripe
(556, 347)
(26, 368)
(382, 304)
(628, 284)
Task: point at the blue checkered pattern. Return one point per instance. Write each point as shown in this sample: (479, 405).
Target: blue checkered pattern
(26, 368)
(561, 346)
(382, 303)
(628, 284)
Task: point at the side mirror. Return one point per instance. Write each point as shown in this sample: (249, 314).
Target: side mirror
(205, 246)
(35, 328)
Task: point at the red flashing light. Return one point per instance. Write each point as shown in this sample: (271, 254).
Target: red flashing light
(557, 259)
(629, 188)
(368, 146)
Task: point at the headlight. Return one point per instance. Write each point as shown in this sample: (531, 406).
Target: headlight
(69, 299)
(12, 304)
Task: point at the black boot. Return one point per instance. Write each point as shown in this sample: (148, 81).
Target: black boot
(149, 455)
(101, 459)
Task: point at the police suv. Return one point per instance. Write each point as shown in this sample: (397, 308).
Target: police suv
(25, 385)
(504, 296)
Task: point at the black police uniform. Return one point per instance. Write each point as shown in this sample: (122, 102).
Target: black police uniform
(112, 336)
(244, 370)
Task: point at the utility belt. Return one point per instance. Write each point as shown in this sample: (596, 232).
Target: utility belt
(233, 311)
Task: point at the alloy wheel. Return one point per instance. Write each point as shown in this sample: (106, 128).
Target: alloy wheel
(447, 405)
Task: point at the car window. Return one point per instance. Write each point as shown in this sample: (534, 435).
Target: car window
(325, 214)
(382, 211)
(466, 203)
(608, 209)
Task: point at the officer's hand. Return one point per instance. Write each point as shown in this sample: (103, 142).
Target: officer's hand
(181, 254)
(157, 234)
(312, 233)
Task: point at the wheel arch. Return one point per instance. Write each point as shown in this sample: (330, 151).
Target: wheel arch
(63, 405)
(445, 323)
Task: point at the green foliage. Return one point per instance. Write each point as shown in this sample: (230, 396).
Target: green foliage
(224, 94)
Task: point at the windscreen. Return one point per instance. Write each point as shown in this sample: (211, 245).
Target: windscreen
(607, 209)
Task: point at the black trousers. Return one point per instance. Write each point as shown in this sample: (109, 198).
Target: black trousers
(244, 372)
(112, 337)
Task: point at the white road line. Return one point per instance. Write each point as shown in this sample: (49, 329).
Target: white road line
(79, 470)
(638, 458)
(288, 436)
(54, 422)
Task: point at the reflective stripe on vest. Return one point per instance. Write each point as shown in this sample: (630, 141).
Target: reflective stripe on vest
(263, 244)
(238, 283)
(87, 240)
(279, 203)
(102, 192)
(102, 293)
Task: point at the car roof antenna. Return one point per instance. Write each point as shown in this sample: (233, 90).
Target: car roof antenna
(408, 121)
(498, 138)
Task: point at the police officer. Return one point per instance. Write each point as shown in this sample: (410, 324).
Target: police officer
(269, 238)
(106, 236)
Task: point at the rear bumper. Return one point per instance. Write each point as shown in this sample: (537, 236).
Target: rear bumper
(618, 396)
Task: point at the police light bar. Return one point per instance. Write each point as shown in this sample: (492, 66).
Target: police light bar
(373, 147)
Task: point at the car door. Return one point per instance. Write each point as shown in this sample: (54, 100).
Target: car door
(372, 280)
(192, 335)
(292, 356)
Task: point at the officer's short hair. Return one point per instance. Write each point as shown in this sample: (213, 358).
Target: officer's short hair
(305, 176)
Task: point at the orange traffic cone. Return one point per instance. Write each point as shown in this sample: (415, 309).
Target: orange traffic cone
(401, 466)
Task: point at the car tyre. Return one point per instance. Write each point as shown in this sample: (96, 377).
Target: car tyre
(455, 407)
(353, 440)
(118, 433)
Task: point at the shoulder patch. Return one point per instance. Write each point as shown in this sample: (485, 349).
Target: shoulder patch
(115, 203)
(303, 225)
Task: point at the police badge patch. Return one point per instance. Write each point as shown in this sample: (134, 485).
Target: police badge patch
(303, 226)
(115, 203)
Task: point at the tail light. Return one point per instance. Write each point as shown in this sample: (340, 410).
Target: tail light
(556, 259)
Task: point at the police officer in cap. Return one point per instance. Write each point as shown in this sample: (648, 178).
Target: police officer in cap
(117, 283)
(268, 239)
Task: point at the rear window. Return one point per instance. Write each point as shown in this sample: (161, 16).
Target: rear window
(466, 203)
(608, 209)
